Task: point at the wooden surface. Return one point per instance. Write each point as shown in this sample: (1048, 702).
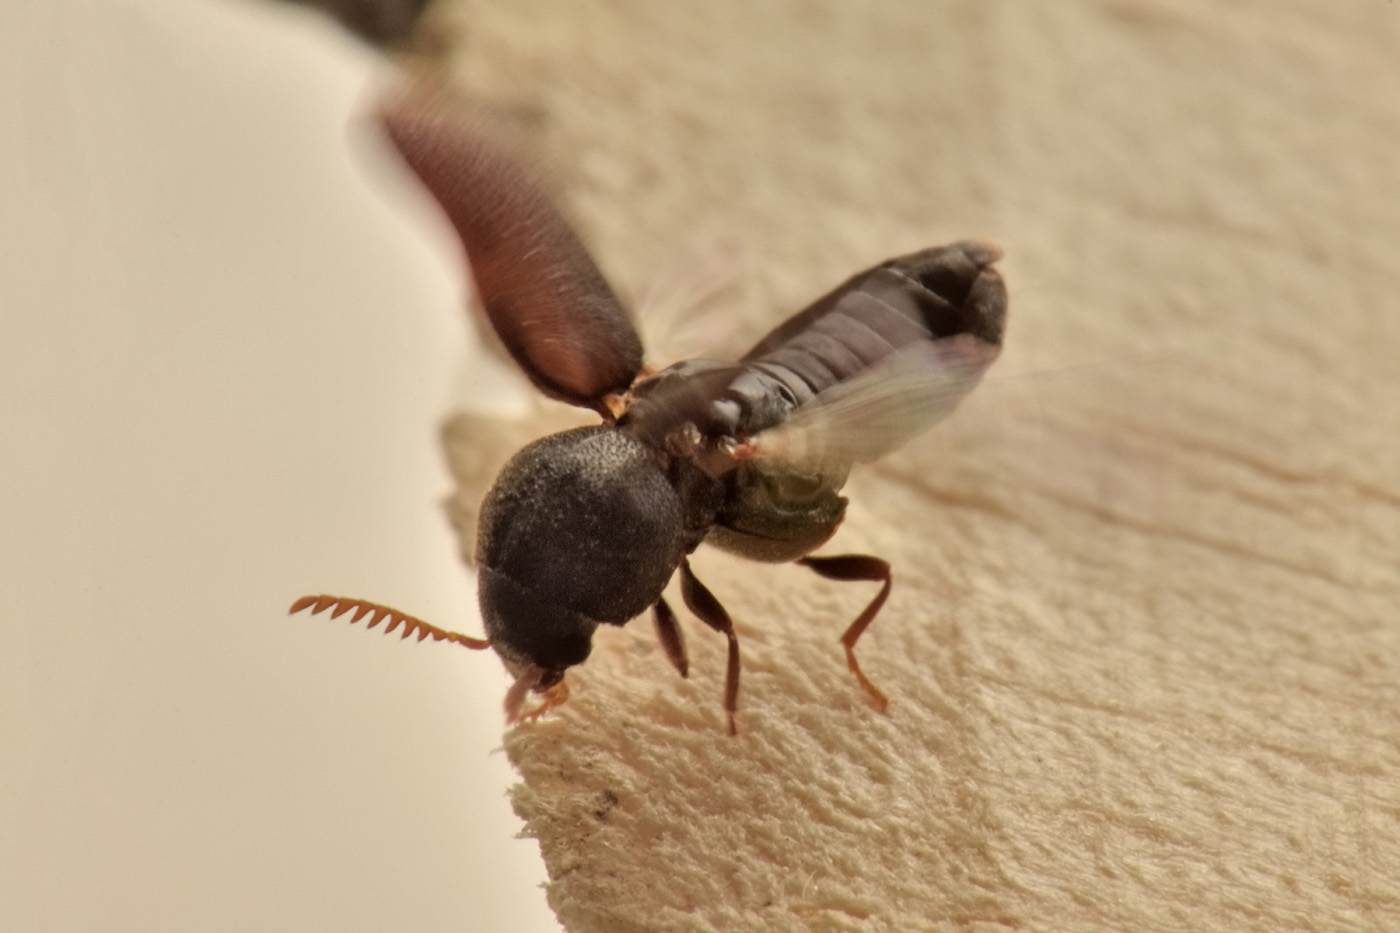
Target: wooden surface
(1143, 644)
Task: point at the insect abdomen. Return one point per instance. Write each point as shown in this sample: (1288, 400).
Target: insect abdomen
(935, 293)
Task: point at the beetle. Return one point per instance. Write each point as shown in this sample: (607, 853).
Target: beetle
(587, 527)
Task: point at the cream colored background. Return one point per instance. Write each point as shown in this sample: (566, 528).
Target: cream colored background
(224, 347)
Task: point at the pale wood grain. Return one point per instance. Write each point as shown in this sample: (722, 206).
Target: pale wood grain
(1143, 644)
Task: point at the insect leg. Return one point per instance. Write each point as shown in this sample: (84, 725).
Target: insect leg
(703, 603)
(552, 698)
(669, 633)
(857, 567)
(528, 681)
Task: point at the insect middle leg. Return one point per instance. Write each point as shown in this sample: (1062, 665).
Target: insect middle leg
(669, 634)
(858, 567)
(703, 603)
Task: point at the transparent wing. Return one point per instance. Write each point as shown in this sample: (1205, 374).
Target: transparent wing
(873, 414)
(689, 307)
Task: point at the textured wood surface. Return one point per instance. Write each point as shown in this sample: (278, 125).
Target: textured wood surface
(1143, 644)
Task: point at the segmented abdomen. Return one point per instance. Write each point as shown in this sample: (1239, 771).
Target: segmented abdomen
(935, 293)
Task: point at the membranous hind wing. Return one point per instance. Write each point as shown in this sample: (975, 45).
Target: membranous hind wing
(873, 414)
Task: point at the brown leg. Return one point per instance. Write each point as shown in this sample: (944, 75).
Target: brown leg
(857, 567)
(552, 698)
(525, 684)
(703, 603)
(669, 633)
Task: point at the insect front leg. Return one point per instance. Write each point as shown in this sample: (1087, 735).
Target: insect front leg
(703, 603)
(858, 567)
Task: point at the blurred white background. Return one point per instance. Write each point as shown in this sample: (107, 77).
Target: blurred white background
(226, 344)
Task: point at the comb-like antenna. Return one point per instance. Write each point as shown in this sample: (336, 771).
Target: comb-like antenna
(411, 626)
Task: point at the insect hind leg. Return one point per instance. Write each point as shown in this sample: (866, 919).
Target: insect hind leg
(855, 567)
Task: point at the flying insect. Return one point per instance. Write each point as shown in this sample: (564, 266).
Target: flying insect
(587, 527)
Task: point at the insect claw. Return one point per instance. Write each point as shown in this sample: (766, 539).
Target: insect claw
(551, 698)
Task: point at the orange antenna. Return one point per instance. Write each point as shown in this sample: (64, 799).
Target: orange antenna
(411, 626)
